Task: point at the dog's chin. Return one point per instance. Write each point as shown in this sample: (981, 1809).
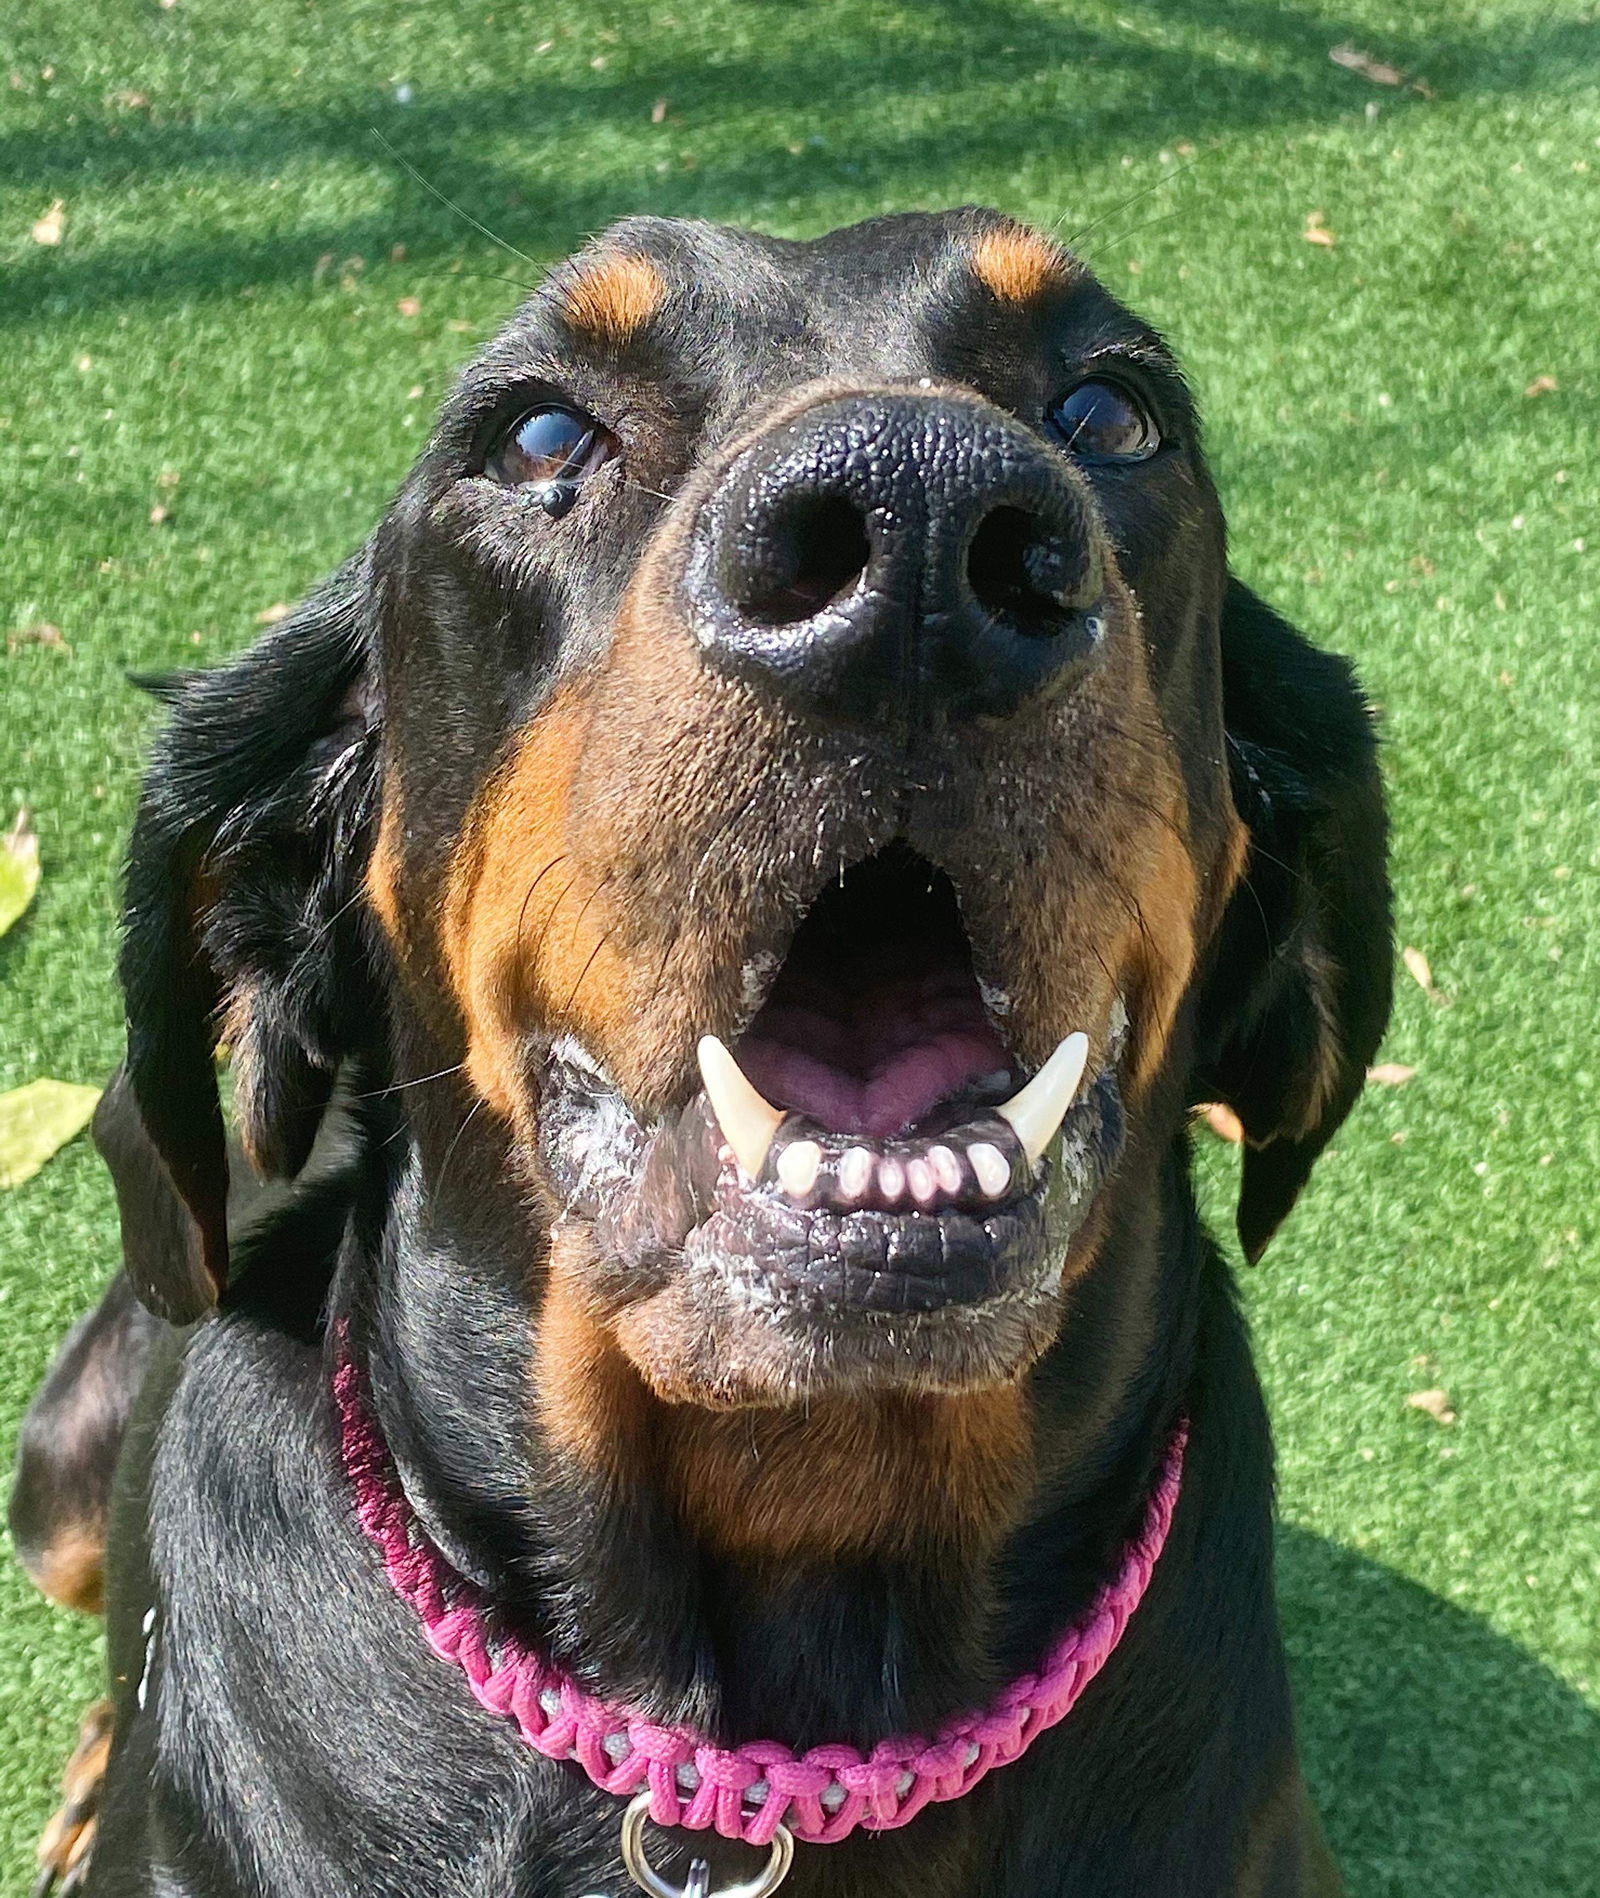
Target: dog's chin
(893, 1208)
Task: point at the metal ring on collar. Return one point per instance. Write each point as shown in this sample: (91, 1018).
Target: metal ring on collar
(647, 1878)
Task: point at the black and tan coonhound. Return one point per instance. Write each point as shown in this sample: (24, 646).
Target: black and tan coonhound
(743, 880)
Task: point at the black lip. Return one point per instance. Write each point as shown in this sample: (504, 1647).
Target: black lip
(828, 1262)
(661, 1200)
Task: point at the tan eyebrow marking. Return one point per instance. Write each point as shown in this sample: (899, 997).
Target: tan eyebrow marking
(1018, 264)
(614, 297)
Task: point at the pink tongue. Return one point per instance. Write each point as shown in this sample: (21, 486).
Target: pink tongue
(874, 1069)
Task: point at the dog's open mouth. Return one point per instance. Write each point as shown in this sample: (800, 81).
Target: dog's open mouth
(869, 1147)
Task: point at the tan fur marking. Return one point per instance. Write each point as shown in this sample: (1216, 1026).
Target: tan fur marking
(614, 297)
(1235, 861)
(68, 1840)
(829, 1481)
(525, 932)
(1160, 950)
(239, 1039)
(591, 1402)
(1019, 264)
(71, 1570)
(383, 874)
(882, 1474)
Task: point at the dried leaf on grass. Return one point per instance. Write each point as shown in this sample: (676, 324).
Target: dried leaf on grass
(1317, 232)
(1421, 972)
(1391, 1074)
(39, 632)
(52, 226)
(1435, 1403)
(1379, 71)
(36, 1121)
(19, 870)
(1542, 385)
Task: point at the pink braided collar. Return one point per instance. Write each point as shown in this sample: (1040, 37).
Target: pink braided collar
(821, 1795)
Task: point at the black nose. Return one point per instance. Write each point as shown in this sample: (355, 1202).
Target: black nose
(901, 556)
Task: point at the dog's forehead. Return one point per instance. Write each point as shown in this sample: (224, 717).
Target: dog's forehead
(898, 296)
(896, 261)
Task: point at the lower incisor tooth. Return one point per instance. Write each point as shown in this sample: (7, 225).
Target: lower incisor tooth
(991, 1167)
(946, 1168)
(891, 1178)
(797, 1167)
(855, 1172)
(920, 1179)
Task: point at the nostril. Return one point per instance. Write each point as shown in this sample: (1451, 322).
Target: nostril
(1018, 567)
(814, 548)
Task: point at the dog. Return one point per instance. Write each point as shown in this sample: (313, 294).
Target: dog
(743, 881)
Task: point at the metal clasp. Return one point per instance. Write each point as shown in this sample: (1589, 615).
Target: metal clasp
(647, 1878)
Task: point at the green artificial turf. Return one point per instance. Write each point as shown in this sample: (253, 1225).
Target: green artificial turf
(226, 332)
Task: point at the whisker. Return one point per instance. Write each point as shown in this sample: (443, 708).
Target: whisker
(1122, 204)
(344, 909)
(584, 971)
(450, 203)
(605, 937)
(395, 1087)
(550, 920)
(449, 1152)
(476, 276)
(522, 914)
(1144, 224)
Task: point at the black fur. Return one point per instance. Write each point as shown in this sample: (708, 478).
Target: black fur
(68, 1446)
(243, 885)
(293, 1734)
(1303, 766)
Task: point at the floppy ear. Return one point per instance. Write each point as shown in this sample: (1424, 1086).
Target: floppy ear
(1299, 987)
(243, 920)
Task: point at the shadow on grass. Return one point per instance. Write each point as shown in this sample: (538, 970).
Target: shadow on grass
(1443, 1757)
(958, 95)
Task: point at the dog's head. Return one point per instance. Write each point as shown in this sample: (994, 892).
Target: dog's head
(794, 748)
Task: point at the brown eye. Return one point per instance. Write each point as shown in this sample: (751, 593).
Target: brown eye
(550, 444)
(1102, 421)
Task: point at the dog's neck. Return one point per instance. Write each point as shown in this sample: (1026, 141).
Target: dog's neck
(845, 1572)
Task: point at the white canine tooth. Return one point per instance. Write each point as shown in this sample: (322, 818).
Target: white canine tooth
(855, 1172)
(920, 1179)
(748, 1121)
(991, 1166)
(797, 1167)
(891, 1179)
(946, 1168)
(1036, 1113)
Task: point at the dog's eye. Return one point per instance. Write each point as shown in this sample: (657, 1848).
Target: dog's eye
(550, 444)
(1103, 421)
